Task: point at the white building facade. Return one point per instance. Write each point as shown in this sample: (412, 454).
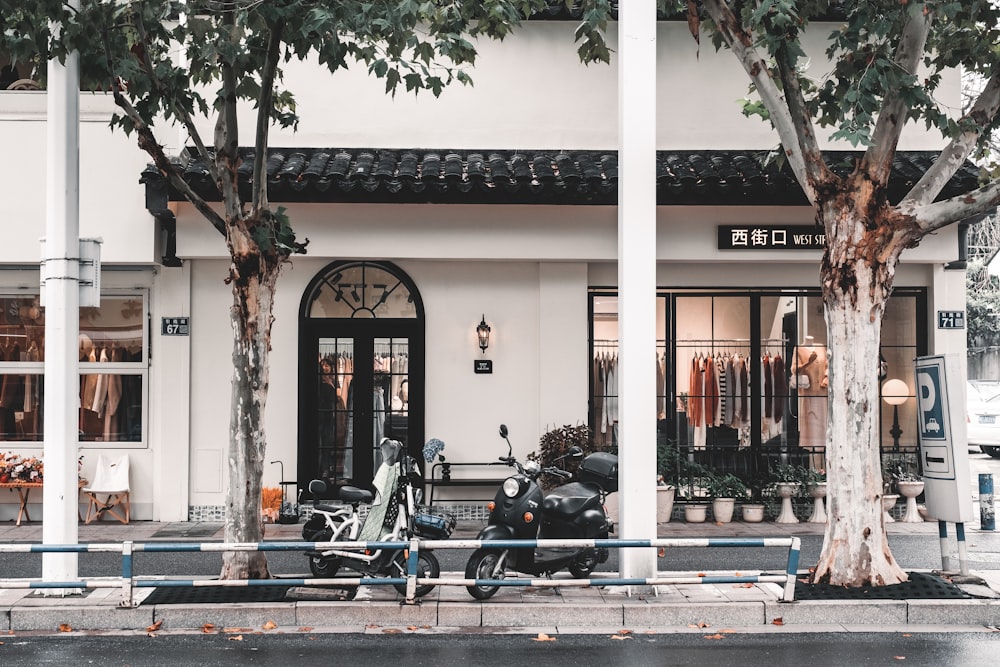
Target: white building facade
(433, 255)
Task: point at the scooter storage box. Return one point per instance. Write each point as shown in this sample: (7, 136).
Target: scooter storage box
(600, 468)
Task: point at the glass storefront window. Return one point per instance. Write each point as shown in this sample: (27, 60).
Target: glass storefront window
(746, 374)
(113, 369)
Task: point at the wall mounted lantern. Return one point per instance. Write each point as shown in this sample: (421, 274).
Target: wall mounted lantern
(483, 332)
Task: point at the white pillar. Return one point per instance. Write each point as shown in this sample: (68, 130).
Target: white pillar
(60, 267)
(637, 282)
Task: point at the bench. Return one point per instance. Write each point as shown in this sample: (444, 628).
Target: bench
(442, 477)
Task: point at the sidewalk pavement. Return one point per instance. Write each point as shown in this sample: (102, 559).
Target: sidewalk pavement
(710, 608)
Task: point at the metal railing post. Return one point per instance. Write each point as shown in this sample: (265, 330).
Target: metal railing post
(128, 585)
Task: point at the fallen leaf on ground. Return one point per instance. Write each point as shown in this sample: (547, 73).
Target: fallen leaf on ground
(65, 627)
(662, 552)
(236, 630)
(778, 621)
(235, 638)
(907, 634)
(899, 657)
(746, 585)
(305, 628)
(270, 625)
(391, 631)
(620, 637)
(701, 574)
(208, 627)
(738, 574)
(624, 631)
(155, 626)
(728, 631)
(412, 628)
(542, 637)
(715, 636)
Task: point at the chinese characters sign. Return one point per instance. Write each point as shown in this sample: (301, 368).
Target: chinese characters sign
(175, 326)
(771, 237)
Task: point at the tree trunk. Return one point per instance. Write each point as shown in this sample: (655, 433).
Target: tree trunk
(253, 278)
(857, 273)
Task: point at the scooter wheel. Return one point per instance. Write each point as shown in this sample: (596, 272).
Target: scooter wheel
(427, 568)
(324, 568)
(584, 564)
(483, 565)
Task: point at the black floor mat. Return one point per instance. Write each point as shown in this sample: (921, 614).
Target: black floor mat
(921, 586)
(215, 594)
(188, 530)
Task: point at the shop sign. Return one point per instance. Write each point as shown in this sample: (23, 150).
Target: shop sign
(771, 237)
(483, 366)
(175, 326)
(951, 319)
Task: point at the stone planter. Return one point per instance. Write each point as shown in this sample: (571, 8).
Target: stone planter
(818, 493)
(785, 491)
(753, 513)
(888, 502)
(664, 503)
(695, 513)
(910, 490)
(722, 509)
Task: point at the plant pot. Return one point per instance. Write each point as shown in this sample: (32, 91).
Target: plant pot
(722, 509)
(753, 513)
(888, 502)
(910, 491)
(785, 491)
(664, 503)
(818, 492)
(695, 513)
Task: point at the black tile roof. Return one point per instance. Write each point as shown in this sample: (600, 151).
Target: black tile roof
(341, 175)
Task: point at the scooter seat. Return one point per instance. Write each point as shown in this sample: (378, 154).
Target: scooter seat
(352, 494)
(569, 500)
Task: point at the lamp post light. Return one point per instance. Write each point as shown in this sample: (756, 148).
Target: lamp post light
(895, 393)
(483, 332)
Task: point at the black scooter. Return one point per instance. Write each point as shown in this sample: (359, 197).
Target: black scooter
(520, 512)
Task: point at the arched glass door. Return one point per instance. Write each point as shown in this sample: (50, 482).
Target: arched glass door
(360, 370)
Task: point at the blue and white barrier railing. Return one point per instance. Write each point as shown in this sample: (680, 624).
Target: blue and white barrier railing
(129, 581)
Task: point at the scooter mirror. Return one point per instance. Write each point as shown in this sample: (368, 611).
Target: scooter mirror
(575, 453)
(503, 430)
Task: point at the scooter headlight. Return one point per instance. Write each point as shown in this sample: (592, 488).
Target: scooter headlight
(511, 487)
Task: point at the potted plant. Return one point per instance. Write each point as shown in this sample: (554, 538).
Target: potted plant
(787, 483)
(667, 471)
(896, 476)
(725, 489)
(814, 483)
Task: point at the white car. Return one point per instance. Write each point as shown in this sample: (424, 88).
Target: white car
(983, 415)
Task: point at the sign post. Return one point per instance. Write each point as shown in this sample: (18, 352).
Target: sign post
(945, 465)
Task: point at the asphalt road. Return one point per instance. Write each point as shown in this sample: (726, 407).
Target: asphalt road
(703, 647)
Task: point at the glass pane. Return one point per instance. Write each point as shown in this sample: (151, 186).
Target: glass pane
(21, 407)
(362, 291)
(335, 408)
(113, 331)
(391, 391)
(22, 329)
(111, 407)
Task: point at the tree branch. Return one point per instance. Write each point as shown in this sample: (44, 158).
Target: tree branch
(931, 217)
(227, 131)
(756, 67)
(877, 162)
(147, 142)
(266, 101)
(805, 134)
(982, 114)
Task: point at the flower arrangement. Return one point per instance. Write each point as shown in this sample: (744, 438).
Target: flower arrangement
(15, 468)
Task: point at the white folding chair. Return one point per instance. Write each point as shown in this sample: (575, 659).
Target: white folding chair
(110, 481)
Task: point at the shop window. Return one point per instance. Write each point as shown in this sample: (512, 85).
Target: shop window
(746, 375)
(113, 369)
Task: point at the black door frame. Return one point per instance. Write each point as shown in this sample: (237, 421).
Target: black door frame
(364, 331)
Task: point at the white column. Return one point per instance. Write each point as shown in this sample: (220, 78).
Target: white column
(637, 282)
(62, 319)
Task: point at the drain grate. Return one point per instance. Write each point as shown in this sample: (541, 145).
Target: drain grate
(215, 594)
(921, 586)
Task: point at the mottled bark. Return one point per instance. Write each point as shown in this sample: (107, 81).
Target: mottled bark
(864, 239)
(253, 276)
